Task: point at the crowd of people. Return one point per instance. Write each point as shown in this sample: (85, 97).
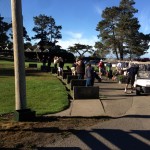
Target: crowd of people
(126, 69)
(86, 71)
(58, 64)
(57, 61)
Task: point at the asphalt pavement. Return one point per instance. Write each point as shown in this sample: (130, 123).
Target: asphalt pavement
(127, 129)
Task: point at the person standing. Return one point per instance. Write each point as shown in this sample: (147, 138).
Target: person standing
(109, 70)
(119, 67)
(61, 65)
(44, 60)
(101, 68)
(80, 69)
(73, 69)
(89, 75)
(55, 62)
(49, 63)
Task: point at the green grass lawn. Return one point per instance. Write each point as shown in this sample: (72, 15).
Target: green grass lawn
(45, 93)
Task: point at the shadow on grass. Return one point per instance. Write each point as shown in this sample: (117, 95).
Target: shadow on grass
(6, 72)
(28, 72)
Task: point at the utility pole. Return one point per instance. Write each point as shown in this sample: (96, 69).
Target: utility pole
(21, 113)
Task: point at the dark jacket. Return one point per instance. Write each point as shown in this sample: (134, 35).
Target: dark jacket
(89, 72)
(132, 71)
(80, 69)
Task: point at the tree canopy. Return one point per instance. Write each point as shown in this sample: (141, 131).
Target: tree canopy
(4, 27)
(6, 34)
(80, 49)
(46, 31)
(119, 31)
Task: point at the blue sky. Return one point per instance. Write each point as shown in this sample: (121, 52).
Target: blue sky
(78, 18)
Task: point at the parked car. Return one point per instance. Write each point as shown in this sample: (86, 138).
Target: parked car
(142, 81)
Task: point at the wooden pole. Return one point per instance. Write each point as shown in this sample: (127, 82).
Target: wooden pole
(21, 113)
(18, 47)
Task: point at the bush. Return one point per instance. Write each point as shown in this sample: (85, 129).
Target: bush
(121, 78)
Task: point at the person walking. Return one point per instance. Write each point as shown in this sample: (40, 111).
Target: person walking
(131, 72)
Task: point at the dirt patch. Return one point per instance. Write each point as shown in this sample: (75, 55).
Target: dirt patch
(43, 131)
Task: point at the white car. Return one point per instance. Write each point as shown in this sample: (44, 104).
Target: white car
(142, 80)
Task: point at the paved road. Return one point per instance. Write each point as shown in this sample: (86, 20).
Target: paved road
(129, 128)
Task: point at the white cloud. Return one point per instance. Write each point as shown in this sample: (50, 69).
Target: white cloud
(98, 10)
(144, 22)
(74, 34)
(74, 38)
(70, 42)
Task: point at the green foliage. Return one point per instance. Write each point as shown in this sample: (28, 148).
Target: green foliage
(119, 31)
(101, 50)
(4, 27)
(46, 30)
(107, 28)
(120, 77)
(80, 49)
(25, 35)
(45, 93)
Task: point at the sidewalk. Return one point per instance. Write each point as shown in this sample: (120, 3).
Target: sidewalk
(128, 129)
(113, 102)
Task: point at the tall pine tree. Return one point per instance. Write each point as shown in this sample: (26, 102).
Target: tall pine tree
(46, 31)
(107, 29)
(4, 27)
(119, 31)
